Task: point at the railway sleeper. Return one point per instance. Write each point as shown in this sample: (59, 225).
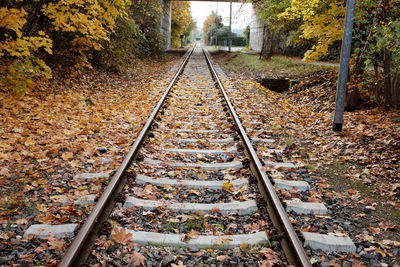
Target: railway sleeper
(201, 242)
(215, 185)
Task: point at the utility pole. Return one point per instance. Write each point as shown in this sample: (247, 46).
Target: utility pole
(230, 27)
(344, 66)
(211, 27)
(216, 27)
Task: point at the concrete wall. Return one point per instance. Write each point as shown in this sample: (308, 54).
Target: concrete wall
(165, 27)
(256, 31)
(256, 27)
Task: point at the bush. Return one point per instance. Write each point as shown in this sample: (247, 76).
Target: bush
(126, 43)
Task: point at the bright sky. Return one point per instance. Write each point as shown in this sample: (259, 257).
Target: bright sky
(241, 13)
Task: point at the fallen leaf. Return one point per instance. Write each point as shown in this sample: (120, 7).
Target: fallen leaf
(227, 185)
(67, 156)
(55, 243)
(244, 246)
(120, 236)
(191, 235)
(223, 258)
(194, 192)
(352, 192)
(231, 226)
(202, 176)
(215, 210)
(136, 259)
(358, 263)
(21, 221)
(75, 164)
(180, 264)
(387, 226)
(197, 254)
(374, 230)
(252, 228)
(220, 240)
(27, 257)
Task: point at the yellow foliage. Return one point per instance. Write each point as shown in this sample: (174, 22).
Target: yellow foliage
(21, 64)
(180, 20)
(89, 23)
(92, 21)
(321, 20)
(12, 19)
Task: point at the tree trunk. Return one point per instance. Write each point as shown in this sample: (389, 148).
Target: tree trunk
(353, 98)
(387, 76)
(396, 89)
(263, 43)
(376, 90)
(387, 60)
(266, 50)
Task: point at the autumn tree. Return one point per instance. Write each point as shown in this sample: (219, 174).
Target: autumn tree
(20, 52)
(38, 37)
(318, 24)
(32, 30)
(181, 22)
(320, 21)
(211, 25)
(147, 14)
(377, 35)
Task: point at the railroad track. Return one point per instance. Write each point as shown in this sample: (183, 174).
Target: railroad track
(192, 182)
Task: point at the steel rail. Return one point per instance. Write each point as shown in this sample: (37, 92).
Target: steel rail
(74, 250)
(296, 246)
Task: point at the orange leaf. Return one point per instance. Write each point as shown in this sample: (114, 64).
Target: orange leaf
(191, 235)
(215, 210)
(373, 230)
(120, 236)
(387, 226)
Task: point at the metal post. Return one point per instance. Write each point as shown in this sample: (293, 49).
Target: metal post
(211, 27)
(230, 27)
(344, 66)
(216, 27)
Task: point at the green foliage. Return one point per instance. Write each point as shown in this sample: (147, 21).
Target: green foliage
(279, 66)
(19, 75)
(147, 15)
(221, 36)
(317, 26)
(211, 25)
(247, 35)
(374, 31)
(126, 44)
(389, 37)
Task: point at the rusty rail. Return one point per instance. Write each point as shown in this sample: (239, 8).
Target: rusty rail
(298, 255)
(75, 249)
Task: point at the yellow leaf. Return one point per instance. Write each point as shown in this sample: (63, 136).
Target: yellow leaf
(67, 156)
(41, 207)
(75, 164)
(29, 141)
(227, 185)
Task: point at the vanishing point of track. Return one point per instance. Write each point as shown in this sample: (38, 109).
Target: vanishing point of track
(181, 127)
